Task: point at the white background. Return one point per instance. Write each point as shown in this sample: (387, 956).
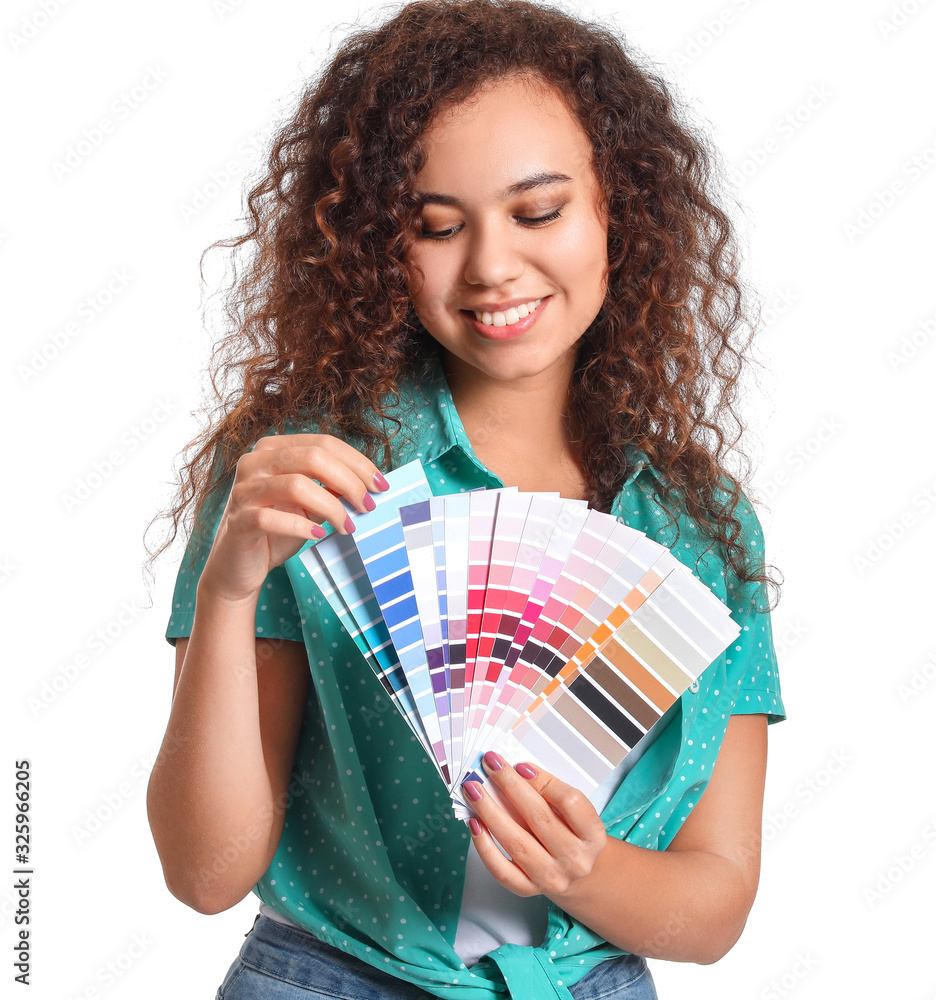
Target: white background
(839, 221)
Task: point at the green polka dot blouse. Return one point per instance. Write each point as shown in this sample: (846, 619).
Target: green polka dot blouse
(371, 859)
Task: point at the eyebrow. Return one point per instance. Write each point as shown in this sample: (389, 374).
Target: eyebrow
(521, 187)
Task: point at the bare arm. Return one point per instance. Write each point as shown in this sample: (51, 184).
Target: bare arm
(217, 796)
(688, 903)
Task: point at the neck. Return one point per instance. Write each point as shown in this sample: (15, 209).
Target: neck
(520, 429)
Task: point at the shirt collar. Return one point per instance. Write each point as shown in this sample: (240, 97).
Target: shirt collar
(431, 426)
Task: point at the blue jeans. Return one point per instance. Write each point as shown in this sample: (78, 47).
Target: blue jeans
(278, 962)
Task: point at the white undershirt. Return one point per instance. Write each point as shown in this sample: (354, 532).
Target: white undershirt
(491, 915)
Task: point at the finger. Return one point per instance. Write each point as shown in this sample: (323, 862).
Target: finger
(293, 490)
(547, 826)
(558, 813)
(523, 847)
(509, 875)
(319, 463)
(257, 521)
(572, 805)
(315, 463)
(326, 444)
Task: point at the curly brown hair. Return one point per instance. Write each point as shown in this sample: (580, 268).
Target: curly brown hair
(321, 319)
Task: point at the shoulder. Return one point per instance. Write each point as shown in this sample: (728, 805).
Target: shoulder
(649, 503)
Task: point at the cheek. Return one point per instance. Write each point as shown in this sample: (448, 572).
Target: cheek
(429, 306)
(428, 290)
(581, 246)
(584, 258)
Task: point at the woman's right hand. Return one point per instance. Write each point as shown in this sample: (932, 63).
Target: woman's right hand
(274, 507)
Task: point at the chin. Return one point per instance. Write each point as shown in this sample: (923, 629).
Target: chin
(510, 362)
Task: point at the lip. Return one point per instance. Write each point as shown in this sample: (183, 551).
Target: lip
(513, 330)
(491, 307)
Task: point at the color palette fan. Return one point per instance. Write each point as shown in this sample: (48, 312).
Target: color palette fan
(519, 622)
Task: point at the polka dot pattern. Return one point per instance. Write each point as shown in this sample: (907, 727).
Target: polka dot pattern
(371, 859)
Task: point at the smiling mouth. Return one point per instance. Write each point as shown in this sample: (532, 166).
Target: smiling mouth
(508, 317)
(509, 324)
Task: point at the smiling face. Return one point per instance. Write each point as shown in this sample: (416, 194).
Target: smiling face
(514, 242)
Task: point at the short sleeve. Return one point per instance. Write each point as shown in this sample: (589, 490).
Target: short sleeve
(751, 660)
(277, 615)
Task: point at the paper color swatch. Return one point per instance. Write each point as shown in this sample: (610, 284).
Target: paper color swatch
(519, 622)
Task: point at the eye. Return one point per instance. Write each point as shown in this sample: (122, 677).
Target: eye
(542, 219)
(440, 235)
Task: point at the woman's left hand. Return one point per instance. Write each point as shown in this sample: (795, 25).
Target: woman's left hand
(553, 838)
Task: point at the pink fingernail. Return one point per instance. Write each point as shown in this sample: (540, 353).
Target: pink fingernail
(472, 790)
(525, 771)
(475, 827)
(368, 502)
(380, 482)
(348, 525)
(318, 531)
(493, 761)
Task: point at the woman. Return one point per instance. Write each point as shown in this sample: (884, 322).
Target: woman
(485, 241)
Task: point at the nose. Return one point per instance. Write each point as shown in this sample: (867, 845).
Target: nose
(493, 256)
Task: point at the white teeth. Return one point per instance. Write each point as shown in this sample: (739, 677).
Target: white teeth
(509, 317)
